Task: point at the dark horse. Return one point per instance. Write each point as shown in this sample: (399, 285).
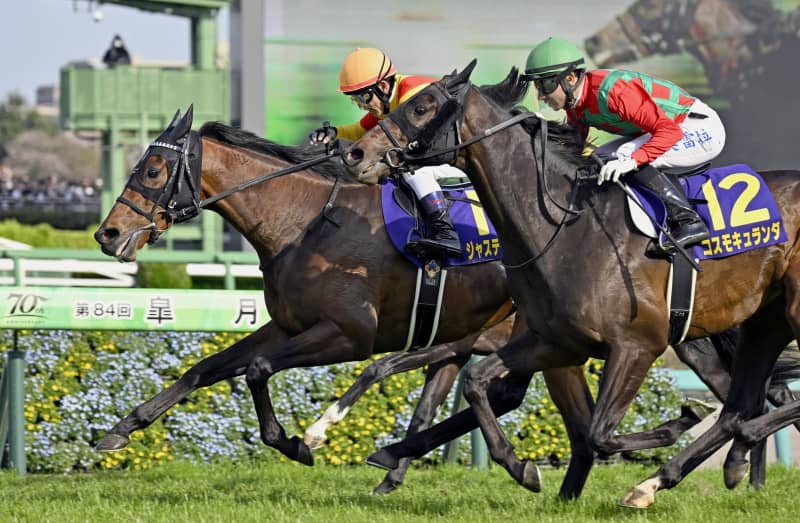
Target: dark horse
(581, 277)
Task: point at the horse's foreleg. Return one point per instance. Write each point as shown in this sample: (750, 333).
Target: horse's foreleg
(323, 344)
(438, 381)
(570, 393)
(502, 398)
(629, 360)
(505, 376)
(231, 362)
(378, 371)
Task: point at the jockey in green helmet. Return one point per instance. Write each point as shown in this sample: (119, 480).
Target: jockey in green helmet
(662, 126)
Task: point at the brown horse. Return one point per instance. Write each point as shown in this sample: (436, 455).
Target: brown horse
(335, 287)
(581, 277)
(314, 273)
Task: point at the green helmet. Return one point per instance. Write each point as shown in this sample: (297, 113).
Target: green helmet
(553, 56)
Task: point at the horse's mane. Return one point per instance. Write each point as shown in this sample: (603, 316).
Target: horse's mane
(564, 138)
(508, 92)
(294, 155)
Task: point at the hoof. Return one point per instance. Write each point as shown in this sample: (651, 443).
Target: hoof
(696, 408)
(301, 452)
(111, 442)
(315, 441)
(386, 486)
(734, 474)
(637, 498)
(383, 459)
(531, 477)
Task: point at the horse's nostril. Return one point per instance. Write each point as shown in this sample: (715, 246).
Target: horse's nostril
(107, 234)
(354, 156)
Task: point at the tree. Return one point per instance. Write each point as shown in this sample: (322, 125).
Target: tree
(16, 117)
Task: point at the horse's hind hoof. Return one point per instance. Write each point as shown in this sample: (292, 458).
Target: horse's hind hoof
(735, 474)
(383, 459)
(531, 477)
(112, 442)
(314, 441)
(301, 452)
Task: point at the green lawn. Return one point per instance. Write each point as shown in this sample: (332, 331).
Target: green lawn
(270, 493)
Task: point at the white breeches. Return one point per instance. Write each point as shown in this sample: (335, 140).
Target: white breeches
(703, 140)
(425, 179)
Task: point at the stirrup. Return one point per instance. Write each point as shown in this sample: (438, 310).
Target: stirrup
(425, 246)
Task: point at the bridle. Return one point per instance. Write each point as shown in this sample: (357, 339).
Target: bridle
(179, 197)
(178, 205)
(422, 140)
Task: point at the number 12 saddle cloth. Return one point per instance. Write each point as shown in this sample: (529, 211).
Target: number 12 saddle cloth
(734, 201)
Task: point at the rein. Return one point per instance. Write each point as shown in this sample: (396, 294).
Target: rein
(269, 176)
(399, 157)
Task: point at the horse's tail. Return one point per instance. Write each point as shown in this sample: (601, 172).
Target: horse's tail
(786, 369)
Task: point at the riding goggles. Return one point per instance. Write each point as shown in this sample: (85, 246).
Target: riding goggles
(363, 97)
(547, 84)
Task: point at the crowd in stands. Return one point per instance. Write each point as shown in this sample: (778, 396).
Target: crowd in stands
(19, 191)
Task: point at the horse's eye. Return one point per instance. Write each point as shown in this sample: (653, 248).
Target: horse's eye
(153, 172)
(420, 110)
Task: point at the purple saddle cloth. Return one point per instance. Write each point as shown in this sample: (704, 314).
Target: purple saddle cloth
(735, 203)
(479, 241)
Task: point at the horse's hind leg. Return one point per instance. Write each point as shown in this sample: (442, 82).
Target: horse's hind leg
(323, 344)
(763, 336)
(711, 359)
(438, 381)
(378, 371)
(231, 362)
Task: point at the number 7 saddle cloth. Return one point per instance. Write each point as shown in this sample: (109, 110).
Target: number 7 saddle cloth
(735, 203)
(479, 242)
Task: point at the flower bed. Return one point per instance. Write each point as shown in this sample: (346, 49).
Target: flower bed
(79, 384)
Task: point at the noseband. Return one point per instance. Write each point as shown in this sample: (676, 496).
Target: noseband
(179, 198)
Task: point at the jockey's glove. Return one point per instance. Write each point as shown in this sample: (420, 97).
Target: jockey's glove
(612, 170)
(324, 134)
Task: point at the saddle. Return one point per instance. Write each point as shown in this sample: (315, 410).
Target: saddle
(404, 223)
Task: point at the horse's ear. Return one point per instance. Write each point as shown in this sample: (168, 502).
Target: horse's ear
(184, 125)
(512, 77)
(463, 76)
(175, 119)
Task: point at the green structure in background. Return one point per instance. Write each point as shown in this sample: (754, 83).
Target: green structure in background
(130, 105)
(303, 75)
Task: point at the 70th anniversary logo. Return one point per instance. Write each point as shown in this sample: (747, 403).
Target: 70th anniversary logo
(24, 309)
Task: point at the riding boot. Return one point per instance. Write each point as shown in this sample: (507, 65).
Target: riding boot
(685, 225)
(441, 235)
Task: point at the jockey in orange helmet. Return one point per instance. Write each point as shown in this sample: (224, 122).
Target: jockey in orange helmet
(371, 81)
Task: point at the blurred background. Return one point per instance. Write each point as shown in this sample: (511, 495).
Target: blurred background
(76, 111)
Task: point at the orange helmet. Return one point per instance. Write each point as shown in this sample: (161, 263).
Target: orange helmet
(364, 67)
